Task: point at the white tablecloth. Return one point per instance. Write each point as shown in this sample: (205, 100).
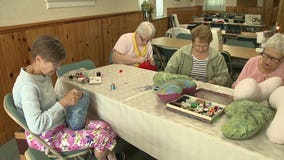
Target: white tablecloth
(140, 118)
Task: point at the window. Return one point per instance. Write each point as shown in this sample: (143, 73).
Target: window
(158, 5)
(214, 5)
(159, 8)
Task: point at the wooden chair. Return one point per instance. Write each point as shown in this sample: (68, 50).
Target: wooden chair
(33, 154)
(87, 64)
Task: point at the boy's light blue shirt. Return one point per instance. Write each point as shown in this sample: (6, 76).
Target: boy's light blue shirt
(35, 96)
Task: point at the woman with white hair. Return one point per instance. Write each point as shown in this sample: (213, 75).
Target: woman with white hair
(135, 48)
(268, 64)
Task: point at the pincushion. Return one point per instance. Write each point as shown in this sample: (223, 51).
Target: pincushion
(249, 89)
(77, 114)
(275, 131)
(169, 91)
(188, 86)
(148, 65)
(173, 89)
(247, 118)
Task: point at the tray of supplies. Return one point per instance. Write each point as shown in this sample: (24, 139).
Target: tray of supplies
(197, 108)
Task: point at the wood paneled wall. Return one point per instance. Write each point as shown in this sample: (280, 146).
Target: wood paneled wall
(246, 3)
(86, 37)
(161, 26)
(280, 19)
(185, 14)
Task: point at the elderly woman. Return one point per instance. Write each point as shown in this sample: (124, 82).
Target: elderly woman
(135, 48)
(268, 64)
(200, 61)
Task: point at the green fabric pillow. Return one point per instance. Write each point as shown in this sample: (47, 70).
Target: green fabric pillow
(162, 77)
(246, 119)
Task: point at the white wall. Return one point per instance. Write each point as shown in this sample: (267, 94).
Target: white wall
(15, 12)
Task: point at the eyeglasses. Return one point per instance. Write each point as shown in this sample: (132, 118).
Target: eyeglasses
(144, 40)
(272, 59)
(54, 64)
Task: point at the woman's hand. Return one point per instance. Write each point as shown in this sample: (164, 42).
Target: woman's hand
(140, 60)
(71, 98)
(152, 61)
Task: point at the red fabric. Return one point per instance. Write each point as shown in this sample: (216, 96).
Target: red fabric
(147, 65)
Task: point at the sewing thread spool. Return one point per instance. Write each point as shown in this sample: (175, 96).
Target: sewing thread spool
(112, 86)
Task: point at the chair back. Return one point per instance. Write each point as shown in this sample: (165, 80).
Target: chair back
(50, 153)
(171, 21)
(235, 29)
(217, 25)
(110, 57)
(162, 56)
(87, 64)
(235, 42)
(253, 40)
(184, 36)
(13, 112)
(176, 20)
(174, 31)
(228, 59)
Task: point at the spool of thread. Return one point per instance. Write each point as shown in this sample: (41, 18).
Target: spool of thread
(112, 86)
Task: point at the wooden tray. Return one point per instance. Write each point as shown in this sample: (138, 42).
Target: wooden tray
(197, 108)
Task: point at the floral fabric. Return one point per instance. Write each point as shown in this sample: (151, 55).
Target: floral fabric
(96, 134)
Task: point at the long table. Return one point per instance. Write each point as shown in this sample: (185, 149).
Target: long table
(244, 26)
(235, 51)
(141, 118)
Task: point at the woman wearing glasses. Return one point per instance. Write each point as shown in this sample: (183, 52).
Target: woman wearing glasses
(135, 48)
(199, 61)
(268, 64)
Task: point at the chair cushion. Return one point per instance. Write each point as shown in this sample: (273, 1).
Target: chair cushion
(247, 118)
(76, 115)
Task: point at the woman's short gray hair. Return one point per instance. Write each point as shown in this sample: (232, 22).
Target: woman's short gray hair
(146, 29)
(276, 41)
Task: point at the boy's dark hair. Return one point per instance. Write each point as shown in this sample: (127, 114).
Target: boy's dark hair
(48, 48)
